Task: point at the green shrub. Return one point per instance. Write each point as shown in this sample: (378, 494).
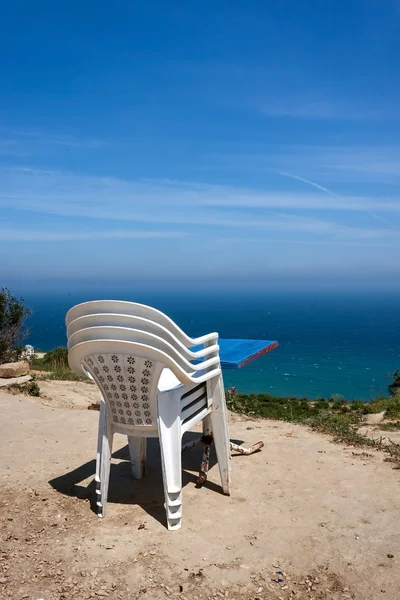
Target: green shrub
(337, 398)
(392, 410)
(32, 387)
(52, 360)
(322, 404)
(395, 426)
(394, 387)
(13, 315)
(338, 404)
(55, 364)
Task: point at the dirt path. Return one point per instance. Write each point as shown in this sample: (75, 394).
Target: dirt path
(327, 517)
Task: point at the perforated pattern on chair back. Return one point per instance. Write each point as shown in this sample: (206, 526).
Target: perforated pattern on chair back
(129, 386)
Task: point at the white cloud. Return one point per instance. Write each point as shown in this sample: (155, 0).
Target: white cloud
(179, 203)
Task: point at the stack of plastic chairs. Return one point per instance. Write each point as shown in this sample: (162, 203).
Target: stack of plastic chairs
(152, 385)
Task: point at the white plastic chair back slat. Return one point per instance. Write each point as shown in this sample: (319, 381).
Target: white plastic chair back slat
(140, 337)
(137, 323)
(138, 310)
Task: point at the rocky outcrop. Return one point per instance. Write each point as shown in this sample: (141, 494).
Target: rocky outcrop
(16, 369)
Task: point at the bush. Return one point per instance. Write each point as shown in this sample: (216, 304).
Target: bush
(55, 363)
(337, 398)
(394, 387)
(52, 360)
(395, 426)
(393, 408)
(29, 387)
(32, 387)
(322, 404)
(13, 315)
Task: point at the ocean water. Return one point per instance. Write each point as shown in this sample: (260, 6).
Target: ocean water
(328, 344)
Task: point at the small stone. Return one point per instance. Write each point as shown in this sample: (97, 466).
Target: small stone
(3, 579)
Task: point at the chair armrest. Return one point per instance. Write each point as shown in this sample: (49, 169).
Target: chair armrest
(210, 337)
(205, 352)
(205, 364)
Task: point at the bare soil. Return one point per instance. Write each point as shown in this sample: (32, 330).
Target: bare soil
(308, 519)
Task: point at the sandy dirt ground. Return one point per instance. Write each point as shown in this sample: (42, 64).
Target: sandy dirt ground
(308, 519)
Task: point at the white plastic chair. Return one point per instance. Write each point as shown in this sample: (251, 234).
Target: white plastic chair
(139, 399)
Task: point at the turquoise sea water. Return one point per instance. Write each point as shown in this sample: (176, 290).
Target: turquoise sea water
(328, 344)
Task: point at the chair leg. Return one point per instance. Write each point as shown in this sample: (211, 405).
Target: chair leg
(105, 463)
(169, 428)
(100, 433)
(137, 452)
(219, 424)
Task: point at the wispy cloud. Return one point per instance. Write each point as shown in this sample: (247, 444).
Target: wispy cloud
(309, 182)
(320, 109)
(330, 193)
(25, 235)
(350, 163)
(343, 164)
(173, 204)
(25, 143)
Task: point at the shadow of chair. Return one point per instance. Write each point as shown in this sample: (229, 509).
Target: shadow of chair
(148, 493)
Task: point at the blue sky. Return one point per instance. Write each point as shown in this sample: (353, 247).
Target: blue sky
(223, 141)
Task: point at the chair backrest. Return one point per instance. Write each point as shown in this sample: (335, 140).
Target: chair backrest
(127, 374)
(128, 308)
(140, 337)
(132, 322)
